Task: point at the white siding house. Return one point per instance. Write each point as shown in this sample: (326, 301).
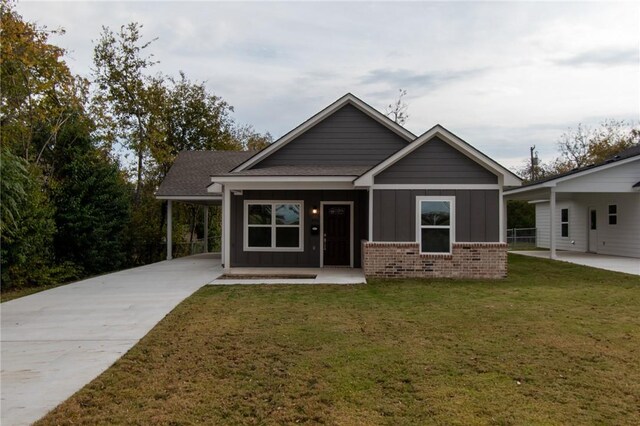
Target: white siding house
(596, 209)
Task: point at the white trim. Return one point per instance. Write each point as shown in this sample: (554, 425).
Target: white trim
(489, 186)
(273, 226)
(292, 178)
(452, 221)
(226, 227)
(553, 182)
(190, 197)
(317, 118)
(510, 179)
(258, 185)
(351, 230)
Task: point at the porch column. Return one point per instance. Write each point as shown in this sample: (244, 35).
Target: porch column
(206, 229)
(552, 223)
(226, 227)
(169, 226)
(370, 214)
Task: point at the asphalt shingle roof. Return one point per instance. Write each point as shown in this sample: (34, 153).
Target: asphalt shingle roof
(191, 172)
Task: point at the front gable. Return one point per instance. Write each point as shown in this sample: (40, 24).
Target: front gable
(436, 162)
(347, 132)
(346, 137)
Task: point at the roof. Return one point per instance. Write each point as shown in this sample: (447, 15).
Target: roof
(348, 99)
(304, 170)
(622, 155)
(191, 172)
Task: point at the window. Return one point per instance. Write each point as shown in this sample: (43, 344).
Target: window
(564, 222)
(613, 214)
(273, 225)
(435, 223)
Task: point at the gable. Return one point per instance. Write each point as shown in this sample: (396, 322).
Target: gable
(346, 137)
(436, 162)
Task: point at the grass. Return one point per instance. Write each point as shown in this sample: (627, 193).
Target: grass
(555, 343)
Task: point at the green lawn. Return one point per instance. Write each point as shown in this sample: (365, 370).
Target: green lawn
(554, 343)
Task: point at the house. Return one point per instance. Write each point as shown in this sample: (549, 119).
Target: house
(351, 188)
(592, 209)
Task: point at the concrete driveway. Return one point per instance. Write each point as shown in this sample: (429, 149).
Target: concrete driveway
(56, 341)
(628, 265)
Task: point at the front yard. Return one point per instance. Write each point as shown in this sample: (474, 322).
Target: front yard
(554, 343)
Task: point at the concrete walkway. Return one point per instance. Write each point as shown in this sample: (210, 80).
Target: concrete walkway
(627, 265)
(322, 276)
(57, 341)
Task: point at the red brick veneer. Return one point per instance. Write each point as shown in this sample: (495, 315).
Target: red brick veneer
(403, 260)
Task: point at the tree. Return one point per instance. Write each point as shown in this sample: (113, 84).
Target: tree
(397, 110)
(36, 85)
(124, 95)
(92, 201)
(250, 139)
(188, 117)
(583, 145)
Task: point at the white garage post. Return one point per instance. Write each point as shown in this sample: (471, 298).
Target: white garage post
(169, 237)
(206, 229)
(552, 224)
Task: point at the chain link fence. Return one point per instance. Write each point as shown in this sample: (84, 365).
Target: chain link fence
(521, 238)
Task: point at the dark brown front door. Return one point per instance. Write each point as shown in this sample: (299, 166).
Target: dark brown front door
(337, 234)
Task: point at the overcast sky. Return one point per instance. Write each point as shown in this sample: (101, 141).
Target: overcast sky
(503, 76)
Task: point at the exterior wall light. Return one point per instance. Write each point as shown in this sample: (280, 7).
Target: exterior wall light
(314, 210)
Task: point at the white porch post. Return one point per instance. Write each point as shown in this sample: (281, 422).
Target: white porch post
(370, 214)
(502, 214)
(226, 227)
(552, 223)
(206, 229)
(169, 226)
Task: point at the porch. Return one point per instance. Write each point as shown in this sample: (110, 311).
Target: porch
(326, 275)
(628, 265)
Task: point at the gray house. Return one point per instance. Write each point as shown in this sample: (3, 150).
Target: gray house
(351, 188)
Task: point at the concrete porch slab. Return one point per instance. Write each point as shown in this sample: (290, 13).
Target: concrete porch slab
(628, 265)
(323, 276)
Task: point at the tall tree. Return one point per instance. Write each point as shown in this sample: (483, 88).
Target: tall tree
(250, 139)
(124, 94)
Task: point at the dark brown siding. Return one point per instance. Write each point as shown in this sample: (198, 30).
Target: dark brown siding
(436, 162)
(477, 219)
(310, 257)
(347, 137)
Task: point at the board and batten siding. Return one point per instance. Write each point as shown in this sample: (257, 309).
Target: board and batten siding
(476, 220)
(310, 257)
(346, 137)
(622, 239)
(436, 162)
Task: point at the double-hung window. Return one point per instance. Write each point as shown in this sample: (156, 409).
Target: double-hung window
(564, 222)
(273, 225)
(435, 224)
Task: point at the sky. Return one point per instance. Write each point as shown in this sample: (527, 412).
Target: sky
(502, 76)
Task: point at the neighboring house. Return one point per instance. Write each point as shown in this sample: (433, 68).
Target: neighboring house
(591, 209)
(351, 188)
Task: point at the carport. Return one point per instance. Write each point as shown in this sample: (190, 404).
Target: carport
(188, 181)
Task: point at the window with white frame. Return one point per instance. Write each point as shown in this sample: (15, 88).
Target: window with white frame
(613, 214)
(273, 225)
(564, 222)
(435, 220)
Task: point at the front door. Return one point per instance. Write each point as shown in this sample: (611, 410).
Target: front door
(593, 230)
(336, 242)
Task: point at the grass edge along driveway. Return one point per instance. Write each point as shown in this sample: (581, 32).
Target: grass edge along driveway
(553, 343)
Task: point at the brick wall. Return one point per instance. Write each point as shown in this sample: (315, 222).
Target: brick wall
(403, 260)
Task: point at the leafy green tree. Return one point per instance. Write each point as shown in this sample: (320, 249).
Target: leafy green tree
(36, 85)
(92, 200)
(125, 95)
